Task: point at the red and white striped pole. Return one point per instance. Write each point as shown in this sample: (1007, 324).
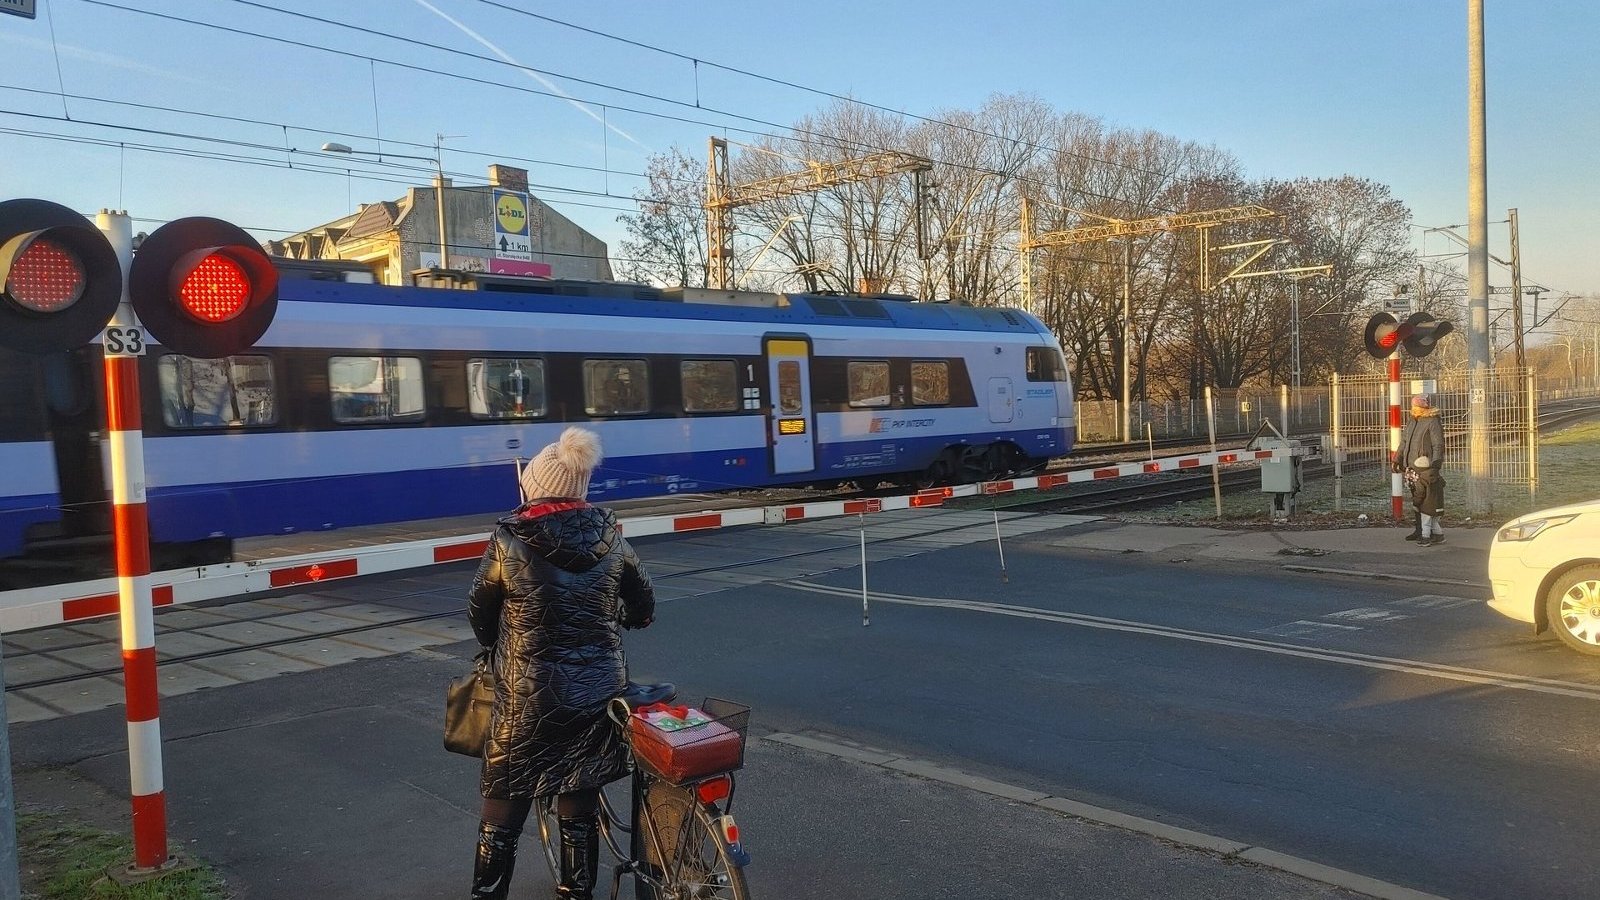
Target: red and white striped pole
(131, 528)
(1396, 480)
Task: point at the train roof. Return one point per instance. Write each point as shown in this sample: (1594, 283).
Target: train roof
(642, 301)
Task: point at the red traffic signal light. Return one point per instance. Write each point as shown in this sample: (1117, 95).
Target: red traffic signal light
(203, 287)
(1419, 334)
(1383, 333)
(60, 281)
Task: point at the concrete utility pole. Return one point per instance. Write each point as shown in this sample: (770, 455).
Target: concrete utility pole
(1479, 498)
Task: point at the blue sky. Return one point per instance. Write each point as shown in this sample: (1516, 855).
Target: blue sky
(1375, 88)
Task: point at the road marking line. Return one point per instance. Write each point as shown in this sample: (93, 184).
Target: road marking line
(1343, 657)
(1367, 614)
(1305, 628)
(1437, 601)
(1261, 856)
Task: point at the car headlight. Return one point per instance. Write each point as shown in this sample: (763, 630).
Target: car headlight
(1527, 531)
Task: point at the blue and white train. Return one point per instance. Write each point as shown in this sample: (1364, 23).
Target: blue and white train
(365, 404)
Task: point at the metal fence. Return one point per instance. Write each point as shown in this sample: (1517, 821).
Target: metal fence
(1238, 411)
(1552, 390)
(1512, 402)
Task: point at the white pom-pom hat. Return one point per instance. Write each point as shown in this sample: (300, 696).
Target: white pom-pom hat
(562, 469)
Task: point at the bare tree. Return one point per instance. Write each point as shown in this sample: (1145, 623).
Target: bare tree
(666, 241)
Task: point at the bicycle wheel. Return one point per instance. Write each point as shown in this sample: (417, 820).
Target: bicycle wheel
(549, 835)
(702, 866)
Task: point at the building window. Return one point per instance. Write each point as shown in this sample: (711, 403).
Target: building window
(616, 387)
(216, 393)
(869, 383)
(506, 388)
(930, 383)
(1046, 364)
(366, 389)
(709, 385)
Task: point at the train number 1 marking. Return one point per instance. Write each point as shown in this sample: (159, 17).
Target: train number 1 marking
(124, 340)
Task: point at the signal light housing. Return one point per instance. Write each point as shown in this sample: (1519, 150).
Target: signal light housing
(1382, 334)
(203, 287)
(1419, 334)
(60, 281)
(1424, 333)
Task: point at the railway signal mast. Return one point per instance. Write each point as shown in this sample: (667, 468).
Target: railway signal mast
(203, 288)
(1385, 337)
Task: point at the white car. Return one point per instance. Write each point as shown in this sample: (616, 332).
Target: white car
(1545, 570)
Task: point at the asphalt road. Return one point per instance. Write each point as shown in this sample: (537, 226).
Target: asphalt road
(1403, 732)
(1400, 731)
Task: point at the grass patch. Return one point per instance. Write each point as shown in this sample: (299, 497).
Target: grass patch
(64, 860)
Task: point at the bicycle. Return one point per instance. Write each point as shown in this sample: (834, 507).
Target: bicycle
(683, 843)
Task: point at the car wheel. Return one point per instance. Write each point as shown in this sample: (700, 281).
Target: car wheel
(1573, 603)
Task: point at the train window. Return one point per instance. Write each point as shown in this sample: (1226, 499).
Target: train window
(506, 388)
(789, 388)
(709, 385)
(367, 389)
(216, 393)
(616, 387)
(869, 383)
(930, 383)
(1046, 364)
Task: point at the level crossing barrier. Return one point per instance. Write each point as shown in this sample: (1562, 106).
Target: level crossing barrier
(38, 607)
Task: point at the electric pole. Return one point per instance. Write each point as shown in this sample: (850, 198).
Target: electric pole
(1479, 499)
(1516, 293)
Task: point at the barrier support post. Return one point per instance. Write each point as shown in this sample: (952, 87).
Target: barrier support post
(866, 619)
(131, 527)
(1397, 504)
(1216, 469)
(1338, 445)
(1000, 545)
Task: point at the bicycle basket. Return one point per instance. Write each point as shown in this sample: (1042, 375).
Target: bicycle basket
(687, 743)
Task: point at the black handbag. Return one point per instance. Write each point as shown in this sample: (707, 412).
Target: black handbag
(467, 704)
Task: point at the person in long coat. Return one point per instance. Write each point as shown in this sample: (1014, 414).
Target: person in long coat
(1423, 438)
(556, 585)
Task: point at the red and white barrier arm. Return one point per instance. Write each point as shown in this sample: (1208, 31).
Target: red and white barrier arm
(54, 604)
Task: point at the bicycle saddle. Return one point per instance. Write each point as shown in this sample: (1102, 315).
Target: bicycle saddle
(637, 695)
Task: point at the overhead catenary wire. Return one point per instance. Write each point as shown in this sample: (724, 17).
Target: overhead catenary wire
(372, 172)
(845, 98)
(493, 60)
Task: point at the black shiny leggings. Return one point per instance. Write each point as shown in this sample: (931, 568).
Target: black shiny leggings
(512, 813)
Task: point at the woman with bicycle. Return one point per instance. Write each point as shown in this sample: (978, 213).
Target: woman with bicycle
(556, 584)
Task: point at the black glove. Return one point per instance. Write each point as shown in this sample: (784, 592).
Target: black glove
(632, 624)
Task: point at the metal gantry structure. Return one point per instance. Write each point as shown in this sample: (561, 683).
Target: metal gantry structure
(1127, 229)
(723, 196)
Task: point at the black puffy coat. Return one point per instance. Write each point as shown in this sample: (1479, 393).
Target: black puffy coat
(551, 594)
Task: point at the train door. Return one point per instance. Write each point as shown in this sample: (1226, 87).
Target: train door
(791, 428)
(71, 385)
(1002, 400)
